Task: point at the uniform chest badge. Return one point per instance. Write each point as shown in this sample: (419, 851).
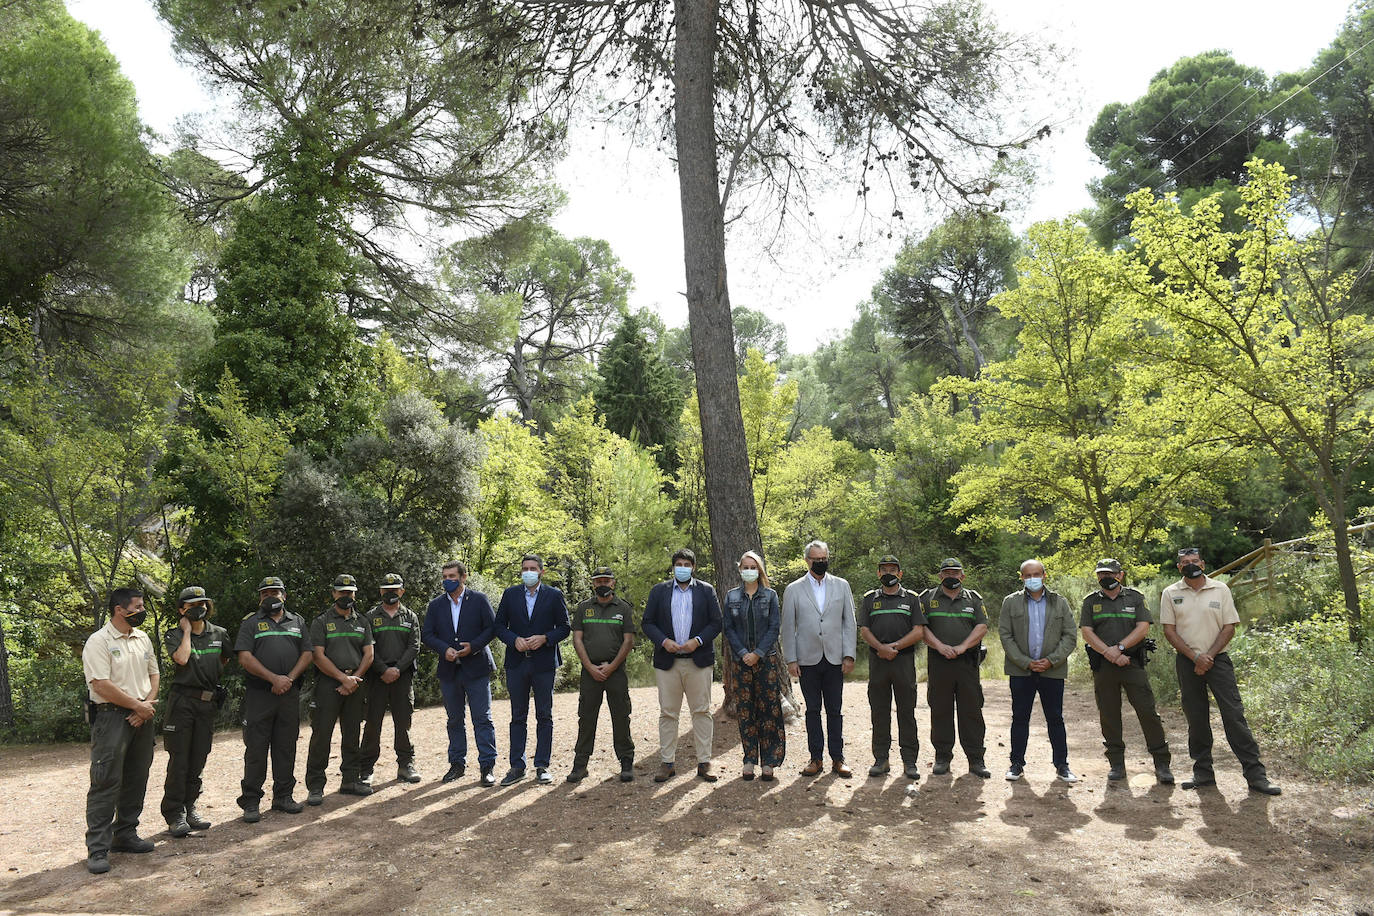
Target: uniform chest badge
(329, 627)
(114, 653)
(262, 626)
(1096, 608)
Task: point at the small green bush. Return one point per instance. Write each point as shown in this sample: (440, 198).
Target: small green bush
(1307, 690)
(49, 695)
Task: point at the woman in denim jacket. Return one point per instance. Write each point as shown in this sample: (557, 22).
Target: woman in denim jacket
(752, 624)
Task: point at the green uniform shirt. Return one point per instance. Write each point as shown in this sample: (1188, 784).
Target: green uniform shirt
(278, 644)
(395, 640)
(951, 620)
(889, 617)
(342, 638)
(604, 627)
(209, 651)
(1112, 619)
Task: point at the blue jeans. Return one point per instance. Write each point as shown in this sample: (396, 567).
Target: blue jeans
(520, 682)
(476, 695)
(823, 682)
(1023, 693)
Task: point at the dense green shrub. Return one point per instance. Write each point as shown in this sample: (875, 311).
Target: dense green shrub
(48, 697)
(1307, 691)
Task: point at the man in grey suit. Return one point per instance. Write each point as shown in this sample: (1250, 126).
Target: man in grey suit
(818, 634)
(1038, 635)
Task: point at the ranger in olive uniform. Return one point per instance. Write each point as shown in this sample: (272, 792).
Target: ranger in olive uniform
(274, 649)
(603, 633)
(1115, 623)
(199, 650)
(890, 621)
(956, 623)
(342, 641)
(390, 680)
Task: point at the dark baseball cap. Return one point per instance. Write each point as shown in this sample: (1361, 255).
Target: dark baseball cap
(1108, 564)
(889, 559)
(271, 582)
(345, 583)
(950, 563)
(391, 580)
(192, 593)
(603, 572)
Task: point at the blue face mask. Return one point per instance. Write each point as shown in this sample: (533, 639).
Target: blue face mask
(682, 573)
(1034, 583)
(530, 577)
(452, 585)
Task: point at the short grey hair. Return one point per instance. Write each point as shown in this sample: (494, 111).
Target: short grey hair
(806, 551)
(1025, 563)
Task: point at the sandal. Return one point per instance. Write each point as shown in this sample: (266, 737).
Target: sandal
(767, 775)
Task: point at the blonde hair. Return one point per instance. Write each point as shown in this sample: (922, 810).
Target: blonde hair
(763, 571)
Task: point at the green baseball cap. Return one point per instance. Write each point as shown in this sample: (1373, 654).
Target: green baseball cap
(889, 559)
(951, 563)
(603, 572)
(271, 582)
(345, 583)
(390, 580)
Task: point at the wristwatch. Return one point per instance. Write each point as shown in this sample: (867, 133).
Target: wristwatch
(1120, 647)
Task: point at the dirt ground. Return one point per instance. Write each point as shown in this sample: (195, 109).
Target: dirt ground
(798, 845)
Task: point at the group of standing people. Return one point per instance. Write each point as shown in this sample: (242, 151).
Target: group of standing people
(365, 665)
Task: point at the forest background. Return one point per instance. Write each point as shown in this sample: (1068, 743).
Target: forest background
(240, 352)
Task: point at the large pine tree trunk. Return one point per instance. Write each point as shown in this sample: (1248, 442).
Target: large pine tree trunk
(6, 696)
(729, 490)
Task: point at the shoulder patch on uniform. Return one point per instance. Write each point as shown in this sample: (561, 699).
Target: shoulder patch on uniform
(1178, 600)
(262, 625)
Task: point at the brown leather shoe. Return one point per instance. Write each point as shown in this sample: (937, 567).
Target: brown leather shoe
(813, 768)
(704, 772)
(839, 769)
(666, 771)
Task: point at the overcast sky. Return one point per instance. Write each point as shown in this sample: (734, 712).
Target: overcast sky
(630, 197)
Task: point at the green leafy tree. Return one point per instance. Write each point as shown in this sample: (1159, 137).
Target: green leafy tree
(638, 393)
(551, 300)
(279, 330)
(516, 512)
(1093, 460)
(79, 444)
(1266, 343)
(1192, 132)
(937, 296)
(767, 407)
(866, 374)
(89, 248)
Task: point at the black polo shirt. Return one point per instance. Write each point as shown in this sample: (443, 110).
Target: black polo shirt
(209, 651)
(889, 617)
(1112, 619)
(951, 620)
(277, 644)
(342, 637)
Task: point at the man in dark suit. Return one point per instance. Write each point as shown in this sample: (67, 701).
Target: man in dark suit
(532, 619)
(458, 625)
(682, 619)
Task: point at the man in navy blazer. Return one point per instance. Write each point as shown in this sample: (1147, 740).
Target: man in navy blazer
(458, 625)
(532, 619)
(682, 619)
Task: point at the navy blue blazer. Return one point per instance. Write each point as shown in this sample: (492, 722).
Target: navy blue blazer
(657, 622)
(550, 619)
(476, 625)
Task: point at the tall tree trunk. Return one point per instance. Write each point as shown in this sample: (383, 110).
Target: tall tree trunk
(6, 695)
(1345, 567)
(729, 491)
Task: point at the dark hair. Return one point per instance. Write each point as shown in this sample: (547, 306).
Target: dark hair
(456, 564)
(121, 597)
(685, 553)
(532, 556)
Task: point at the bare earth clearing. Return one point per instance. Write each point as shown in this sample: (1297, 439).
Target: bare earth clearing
(795, 846)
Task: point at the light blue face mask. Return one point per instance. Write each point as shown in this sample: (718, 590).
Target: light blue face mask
(530, 577)
(749, 575)
(682, 573)
(1034, 583)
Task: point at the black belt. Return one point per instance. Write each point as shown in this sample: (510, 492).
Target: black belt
(99, 706)
(683, 654)
(203, 695)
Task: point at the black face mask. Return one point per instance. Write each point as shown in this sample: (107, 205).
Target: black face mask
(604, 591)
(198, 612)
(951, 582)
(820, 567)
(345, 602)
(1192, 571)
(271, 605)
(136, 618)
(391, 598)
(1108, 584)
(888, 580)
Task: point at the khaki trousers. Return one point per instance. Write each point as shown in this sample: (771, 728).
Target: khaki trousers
(684, 679)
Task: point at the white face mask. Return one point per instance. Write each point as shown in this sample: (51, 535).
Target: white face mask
(749, 575)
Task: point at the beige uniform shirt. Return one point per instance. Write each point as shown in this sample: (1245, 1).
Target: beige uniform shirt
(1198, 615)
(127, 661)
